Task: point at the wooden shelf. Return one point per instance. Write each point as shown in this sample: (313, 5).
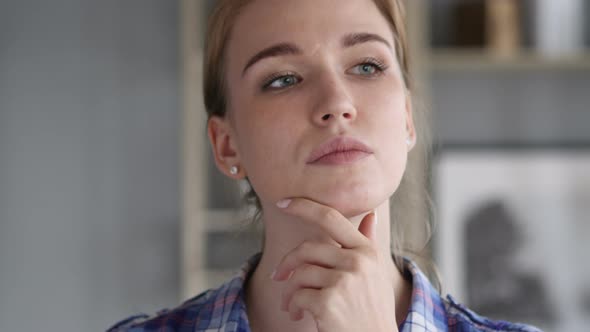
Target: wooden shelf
(473, 60)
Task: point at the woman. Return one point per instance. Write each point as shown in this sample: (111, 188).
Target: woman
(309, 100)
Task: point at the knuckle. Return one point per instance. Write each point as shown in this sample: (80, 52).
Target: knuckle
(289, 297)
(328, 214)
(370, 255)
(338, 279)
(299, 299)
(372, 252)
(342, 280)
(295, 277)
(328, 297)
(356, 262)
(321, 306)
(299, 272)
(304, 247)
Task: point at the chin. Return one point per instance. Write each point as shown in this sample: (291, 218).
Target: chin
(352, 201)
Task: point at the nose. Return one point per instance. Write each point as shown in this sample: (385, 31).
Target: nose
(334, 104)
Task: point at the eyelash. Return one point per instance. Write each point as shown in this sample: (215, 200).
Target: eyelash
(272, 78)
(379, 66)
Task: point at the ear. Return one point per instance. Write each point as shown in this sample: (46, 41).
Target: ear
(222, 139)
(410, 127)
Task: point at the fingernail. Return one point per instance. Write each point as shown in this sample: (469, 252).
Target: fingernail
(284, 203)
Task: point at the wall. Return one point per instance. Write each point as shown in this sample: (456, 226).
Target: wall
(89, 192)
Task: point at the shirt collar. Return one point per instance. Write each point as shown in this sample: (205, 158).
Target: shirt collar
(427, 311)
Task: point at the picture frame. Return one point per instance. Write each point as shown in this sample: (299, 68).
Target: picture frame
(513, 228)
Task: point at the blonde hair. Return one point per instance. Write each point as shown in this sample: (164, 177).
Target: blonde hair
(215, 92)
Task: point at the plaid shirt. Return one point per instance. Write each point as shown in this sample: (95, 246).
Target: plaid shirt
(223, 309)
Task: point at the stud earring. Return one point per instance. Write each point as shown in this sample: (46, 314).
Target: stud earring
(233, 170)
(408, 141)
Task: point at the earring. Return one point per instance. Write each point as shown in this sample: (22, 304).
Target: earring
(409, 141)
(233, 170)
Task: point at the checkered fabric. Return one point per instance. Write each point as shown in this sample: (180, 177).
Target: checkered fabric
(223, 309)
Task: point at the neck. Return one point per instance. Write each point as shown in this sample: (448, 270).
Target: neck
(283, 234)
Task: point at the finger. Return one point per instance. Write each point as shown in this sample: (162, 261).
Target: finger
(307, 276)
(368, 226)
(328, 219)
(296, 315)
(322, 254)
(305, 299)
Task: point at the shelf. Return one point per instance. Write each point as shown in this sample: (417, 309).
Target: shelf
(476, 59)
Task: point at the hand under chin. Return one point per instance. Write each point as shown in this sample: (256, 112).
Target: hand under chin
(351, 209)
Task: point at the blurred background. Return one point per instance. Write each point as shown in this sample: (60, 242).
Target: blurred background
(110, 204)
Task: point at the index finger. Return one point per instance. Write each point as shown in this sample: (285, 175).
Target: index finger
(327, 218)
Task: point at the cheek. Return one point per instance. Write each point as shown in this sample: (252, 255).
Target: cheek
(268, 131)
(390, 133)
(266, 144)
(386, 112)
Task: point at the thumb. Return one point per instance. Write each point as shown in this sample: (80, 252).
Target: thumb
(368, 226)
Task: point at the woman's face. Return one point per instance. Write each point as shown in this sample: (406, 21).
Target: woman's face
(334, 73)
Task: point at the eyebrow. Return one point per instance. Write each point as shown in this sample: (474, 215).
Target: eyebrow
(363, 37)
(282, 49)
(273, 51)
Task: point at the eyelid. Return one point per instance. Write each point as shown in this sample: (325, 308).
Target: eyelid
(266, 82)
(381, 65)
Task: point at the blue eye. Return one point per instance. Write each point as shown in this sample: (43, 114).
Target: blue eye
(370, 67)
(281, 82)
(367, 68)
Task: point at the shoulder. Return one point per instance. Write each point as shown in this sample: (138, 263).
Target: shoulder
(462, 319)
(430, 311)
(181, 318)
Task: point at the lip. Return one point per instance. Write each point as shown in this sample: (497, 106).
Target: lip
(339, 150)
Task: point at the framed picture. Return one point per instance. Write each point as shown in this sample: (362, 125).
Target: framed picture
(513, 233)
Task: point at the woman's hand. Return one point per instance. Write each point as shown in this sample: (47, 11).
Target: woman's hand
(344, 287)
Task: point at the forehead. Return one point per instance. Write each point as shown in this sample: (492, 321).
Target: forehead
(311, 24)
